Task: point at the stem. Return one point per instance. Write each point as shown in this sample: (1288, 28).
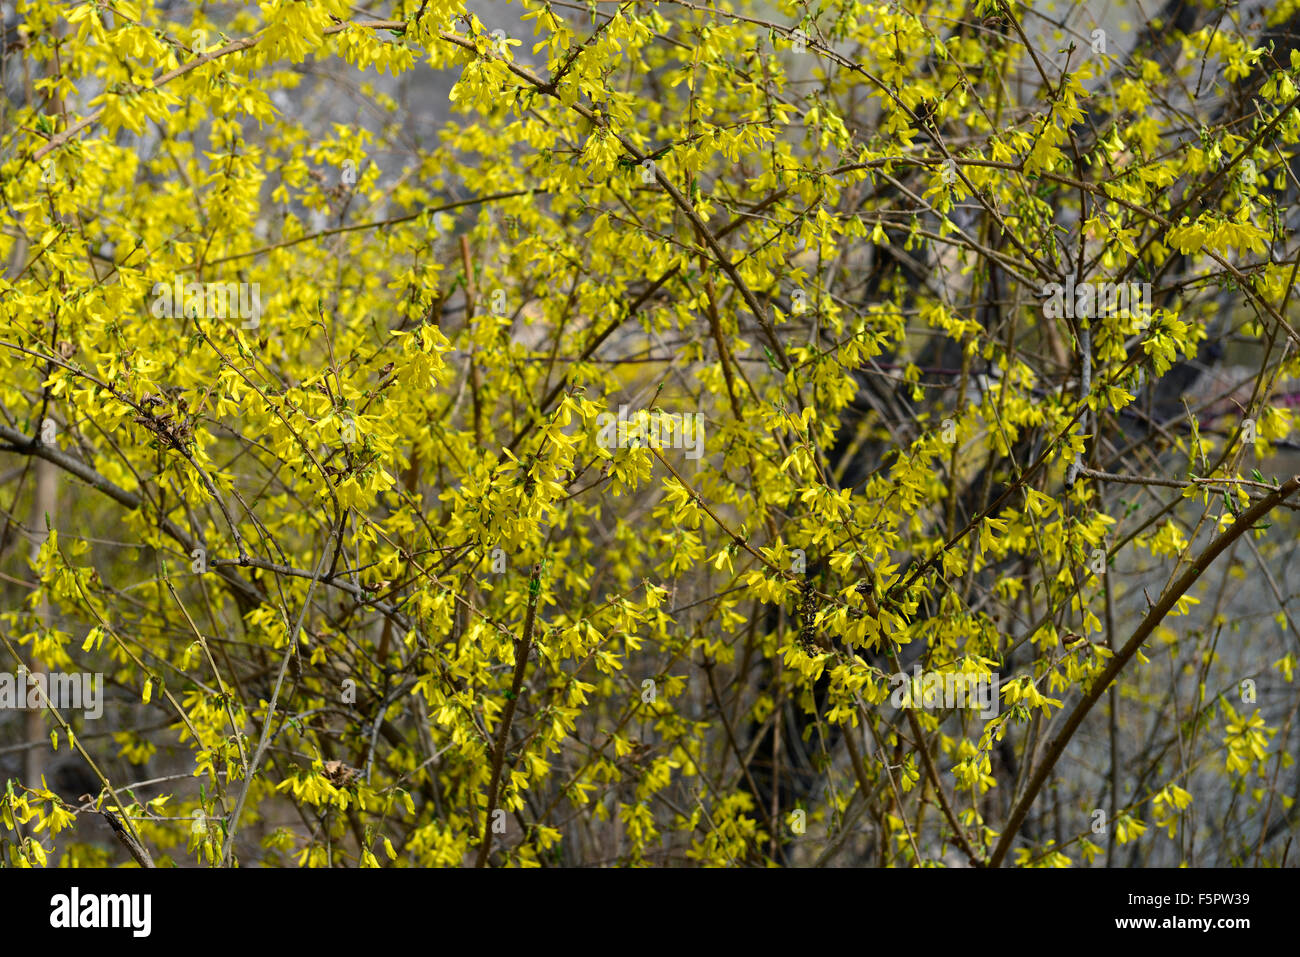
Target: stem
(522, 648)
(1157, 613)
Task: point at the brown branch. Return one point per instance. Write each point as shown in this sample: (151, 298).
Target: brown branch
(1122, 657)
(523, 646)
(137, 850)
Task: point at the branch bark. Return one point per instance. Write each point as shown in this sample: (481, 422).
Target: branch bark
(1157, 614)
(522, 648)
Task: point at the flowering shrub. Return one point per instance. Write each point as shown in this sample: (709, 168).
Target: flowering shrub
(565, 482)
